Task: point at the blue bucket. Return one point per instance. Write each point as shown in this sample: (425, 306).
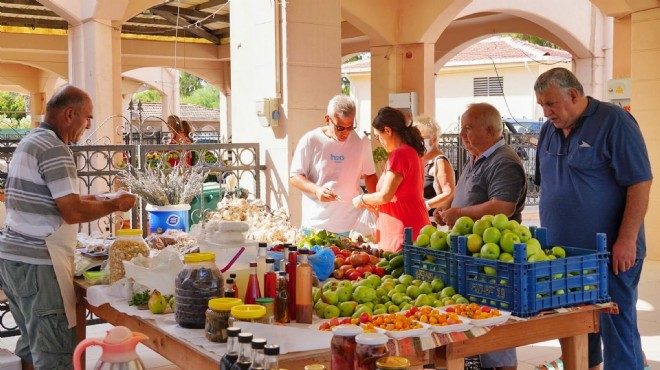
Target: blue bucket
(162, 218)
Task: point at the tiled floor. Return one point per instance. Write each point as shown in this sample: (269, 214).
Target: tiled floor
(528, 356)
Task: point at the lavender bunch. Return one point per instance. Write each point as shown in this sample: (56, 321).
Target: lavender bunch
(160, 188)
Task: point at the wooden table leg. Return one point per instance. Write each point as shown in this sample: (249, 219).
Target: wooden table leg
(81, 321)
(575, 353)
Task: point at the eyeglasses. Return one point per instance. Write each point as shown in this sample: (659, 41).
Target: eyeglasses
(563, 149)
(342, 128)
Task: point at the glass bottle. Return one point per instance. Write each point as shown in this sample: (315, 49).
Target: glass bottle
(285, 258)
(229, 289)
(270, 279)
(272, 353)
(229, 358)
(244, 360)
(291, 271)
(233, 276)
(282, 299)
(304, 289)
(258, 356)
(261, 265)
(252, 292)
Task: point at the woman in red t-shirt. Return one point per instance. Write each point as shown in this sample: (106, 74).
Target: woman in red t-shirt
(180, 135)
(399, 195)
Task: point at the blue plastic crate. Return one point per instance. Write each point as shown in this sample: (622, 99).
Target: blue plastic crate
(529, 288)
(427, 264)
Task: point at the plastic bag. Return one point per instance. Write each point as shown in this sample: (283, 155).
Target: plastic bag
(155, 273)
(365, 226)
(323, 262)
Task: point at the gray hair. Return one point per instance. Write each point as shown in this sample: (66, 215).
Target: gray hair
(341, 105)
(425, 123)
(560, 77)
(487, 115)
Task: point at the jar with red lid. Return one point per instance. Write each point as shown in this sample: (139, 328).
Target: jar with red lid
(369, 348)
(342, 346)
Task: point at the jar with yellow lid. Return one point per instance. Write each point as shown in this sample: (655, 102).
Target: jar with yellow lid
(393, 363)
(199, 281)
(315, 367)
(249, 313)
(217, 318)
(127, 245)
(269, 303)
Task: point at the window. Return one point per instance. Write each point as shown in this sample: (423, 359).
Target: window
(488, 86)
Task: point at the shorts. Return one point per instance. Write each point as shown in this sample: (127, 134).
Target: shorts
(36, 305)
(502, 358)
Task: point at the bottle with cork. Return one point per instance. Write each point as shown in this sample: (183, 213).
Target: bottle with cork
(291, 272)
(304, 289)
(261, 265)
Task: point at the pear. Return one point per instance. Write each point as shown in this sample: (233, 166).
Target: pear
(172, 302)
(157, 303)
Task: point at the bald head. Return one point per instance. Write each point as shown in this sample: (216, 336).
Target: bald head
(69, 112)
(486, 115)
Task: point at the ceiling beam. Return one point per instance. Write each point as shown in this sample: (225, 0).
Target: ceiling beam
(26, 11)
(182, 22)
(34, 23)
(210, 4)
(194, 14)
(23, 2)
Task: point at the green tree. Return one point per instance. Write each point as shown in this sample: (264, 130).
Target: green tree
(188, 84)
(206, 96)
(13, 102)
(535, 40)
(148, 96)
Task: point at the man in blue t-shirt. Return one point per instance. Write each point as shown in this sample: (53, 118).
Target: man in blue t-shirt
(595, 177)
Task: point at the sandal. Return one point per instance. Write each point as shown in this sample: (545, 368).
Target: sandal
(557, 364)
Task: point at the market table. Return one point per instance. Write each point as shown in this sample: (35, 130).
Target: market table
(178, 351)
(570, 326)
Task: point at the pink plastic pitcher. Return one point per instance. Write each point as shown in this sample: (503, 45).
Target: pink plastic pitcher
(118, 350)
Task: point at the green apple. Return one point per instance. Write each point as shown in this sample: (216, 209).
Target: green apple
(474, 243)
(317, 293)
(397, 298)
(438, 303)
(490, 270)
(439, 240)
(464, 225)
(447, 292)
(413, 291)
(416, 282)
(559, 292)
(508, 240)
(422, 300)
(462, 300)
(319, 308)
(537, 257)
(364, 294)
(393, 308)
(490, 251)
(406, 279)
(425, 288)
(346, 284)
(480, 226)
(401, 288)
(347, 308)
(523, 233)
(343, 294)
(437, 285)
(330, 297)
(511, 225)
(428, 230)
(500, 221)
(533, 247)
(488, 218)
(491, 235)
(422, 240)
(505, 257)
(558, 252)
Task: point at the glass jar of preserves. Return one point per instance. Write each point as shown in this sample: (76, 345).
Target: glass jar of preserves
(199, 281)
(248, 312)
(217, 318)
(369, 348)
(269, 303)
(393, 363)
(342, 346)
(128, 244)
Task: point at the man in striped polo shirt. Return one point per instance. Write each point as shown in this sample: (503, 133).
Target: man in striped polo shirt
(44, 208)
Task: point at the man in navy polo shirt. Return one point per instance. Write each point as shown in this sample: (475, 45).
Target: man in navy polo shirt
(595, 177)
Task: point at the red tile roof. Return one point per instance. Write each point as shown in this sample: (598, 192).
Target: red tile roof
(189, 112)
(496, 49)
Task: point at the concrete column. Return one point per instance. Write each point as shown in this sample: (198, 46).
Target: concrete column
(645, 82)
(591, 73)
(403, 68)
(92, 53)
(290, 50)
(37, 107)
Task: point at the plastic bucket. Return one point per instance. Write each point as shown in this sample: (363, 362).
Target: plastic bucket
(162, 218)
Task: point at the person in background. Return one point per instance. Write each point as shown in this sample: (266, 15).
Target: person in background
(399, 195)
(186, 130)
(439, 177)
(37, 245)
(595, 177)
(493, 181)
(179, 135)
(327, 166)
